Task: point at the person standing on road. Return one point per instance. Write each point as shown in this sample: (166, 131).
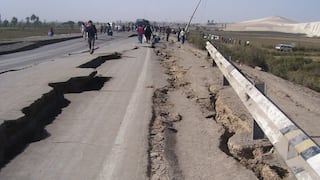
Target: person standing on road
(92, 35)
(140, 31)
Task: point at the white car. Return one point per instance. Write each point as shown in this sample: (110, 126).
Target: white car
(284, 47)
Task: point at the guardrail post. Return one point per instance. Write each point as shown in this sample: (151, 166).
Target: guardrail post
(211, 60)
(257, 132)
(225, 81)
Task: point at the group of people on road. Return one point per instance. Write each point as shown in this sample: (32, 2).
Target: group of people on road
(89, 31)
(181, 34)
(147, 33)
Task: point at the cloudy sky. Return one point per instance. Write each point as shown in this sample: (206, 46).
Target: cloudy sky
(160, 10)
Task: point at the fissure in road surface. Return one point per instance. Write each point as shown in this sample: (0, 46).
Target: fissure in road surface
(100, 60)
(16, 135)
(163, 162)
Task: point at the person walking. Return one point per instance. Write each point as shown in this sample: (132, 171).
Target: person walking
(140, 32)
(148, 33)
(178, 34)
(83, 31)
(182, 36)
(92, 35)
(168, 31)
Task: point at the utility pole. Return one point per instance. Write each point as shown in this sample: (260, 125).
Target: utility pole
(187, 27)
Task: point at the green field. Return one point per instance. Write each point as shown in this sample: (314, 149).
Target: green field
(301, 66)
(7, 33)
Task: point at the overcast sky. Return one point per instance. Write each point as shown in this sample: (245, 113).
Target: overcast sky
(160, 10)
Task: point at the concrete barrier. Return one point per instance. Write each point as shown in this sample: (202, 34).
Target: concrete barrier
(298, 150)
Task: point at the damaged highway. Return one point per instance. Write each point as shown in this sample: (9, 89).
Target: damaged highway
(129, 111)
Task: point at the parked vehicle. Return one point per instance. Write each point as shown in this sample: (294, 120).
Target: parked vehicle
(284, 47)
(142, 22)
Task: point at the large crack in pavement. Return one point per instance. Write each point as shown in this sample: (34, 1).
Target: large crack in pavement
(18, 46)
(163, 162)
(257, 155)
(100, 60)
(16, 135)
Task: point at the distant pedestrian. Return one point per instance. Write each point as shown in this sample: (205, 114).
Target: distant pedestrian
(140, 32)
(92, 35)
(83, 30)
(108, 29)
(168, 31)
(182, 36)
(101, 28)
(148, 33)
(50, 32)
(178, 34)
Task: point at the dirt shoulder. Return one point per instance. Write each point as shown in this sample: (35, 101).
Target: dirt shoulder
(200, 128)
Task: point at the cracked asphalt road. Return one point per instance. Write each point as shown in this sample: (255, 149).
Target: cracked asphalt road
(101, 134)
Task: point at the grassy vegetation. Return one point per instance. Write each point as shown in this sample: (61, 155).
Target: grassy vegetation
(26, 31)
(301, 66)
(197, 39)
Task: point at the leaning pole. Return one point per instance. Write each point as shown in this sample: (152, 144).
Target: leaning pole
(187, 27)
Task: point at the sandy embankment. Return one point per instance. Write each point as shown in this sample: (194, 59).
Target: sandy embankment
(277, 24)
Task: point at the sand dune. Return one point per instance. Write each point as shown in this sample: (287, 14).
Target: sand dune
(277, 24)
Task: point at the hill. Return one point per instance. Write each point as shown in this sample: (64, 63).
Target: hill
(277, 24)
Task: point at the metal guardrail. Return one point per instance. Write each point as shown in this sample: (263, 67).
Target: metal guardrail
(297, 149)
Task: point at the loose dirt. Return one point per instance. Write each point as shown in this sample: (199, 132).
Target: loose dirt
(200, 129)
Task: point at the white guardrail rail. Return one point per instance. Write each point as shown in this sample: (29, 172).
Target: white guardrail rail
(298, 150)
